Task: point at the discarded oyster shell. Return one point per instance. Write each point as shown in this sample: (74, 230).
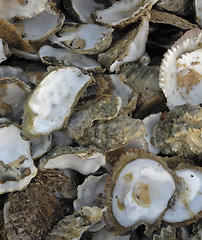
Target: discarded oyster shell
(84, 38)
(13, 72)
(53, 100)
(61, 56)
(180, 75)
(168, 233)
(40, 27)
(112, 134)
(180, 132)
(73, 226)
(21, 8)
(138, 191)
(187, 207)
(4, 50)
(150, 122)
(80, 10)
(17, 167)
(123, 12)
(32, 213)
(105, 107)
(61, 138)
(127, 49)
(40, 145)
(80, 159)
(13, 94)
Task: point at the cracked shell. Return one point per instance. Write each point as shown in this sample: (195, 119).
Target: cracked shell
(53, 100)
(138, 191)
(16, 165)
(180, 75)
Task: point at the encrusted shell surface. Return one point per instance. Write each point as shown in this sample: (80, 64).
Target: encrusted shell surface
(180, 75)
(180, 132)
(58, 95)
(112, 134)
(134, 193)
(105, 107)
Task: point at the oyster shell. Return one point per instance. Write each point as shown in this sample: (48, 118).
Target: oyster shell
(21, 9)
(112, 134)
(80, 159)
(53, 100)
(135, 194)
(13, 72)
(104, 234)
(123, 12)
(61, 56)
(180, 132)
(180, 75)
(73, 226)
(16, 165)
(61, 138)
(80, 10)
(84, 38)
(50, 20)
(198, 5)
(187, 207)
(105, 107)
(168, 233)
(127, 49)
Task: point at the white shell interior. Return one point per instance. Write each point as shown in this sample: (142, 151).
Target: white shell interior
(40, 145)
(82, 162)
(52, 100)
(3, 53)
(189, 200)
(160, 185)
(120, 11)
(150, 122)
(186, 55)
(136, 48)
(12, 148)
(68, 58)
(90, 34)
(28, 9)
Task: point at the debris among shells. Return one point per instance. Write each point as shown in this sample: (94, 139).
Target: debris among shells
(100, 89)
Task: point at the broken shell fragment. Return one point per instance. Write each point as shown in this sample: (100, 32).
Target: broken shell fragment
(13, 72)
(180, 132)
(123, 12)
(73, 226)
(80, 159)
(53, 100)
(198, 12)
(105, 107)
(138, 191)
(104, 234)
(83, 38)
(17, 167)
(82, 10)
(40, 27)
(112, 134)
(187, 207)
(127, 49)
(180, 75)
(61, 56)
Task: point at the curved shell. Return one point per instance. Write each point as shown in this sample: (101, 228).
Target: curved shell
(180, 75)
(138, 191)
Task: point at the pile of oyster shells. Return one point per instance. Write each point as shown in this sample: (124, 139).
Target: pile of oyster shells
(100, 119)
